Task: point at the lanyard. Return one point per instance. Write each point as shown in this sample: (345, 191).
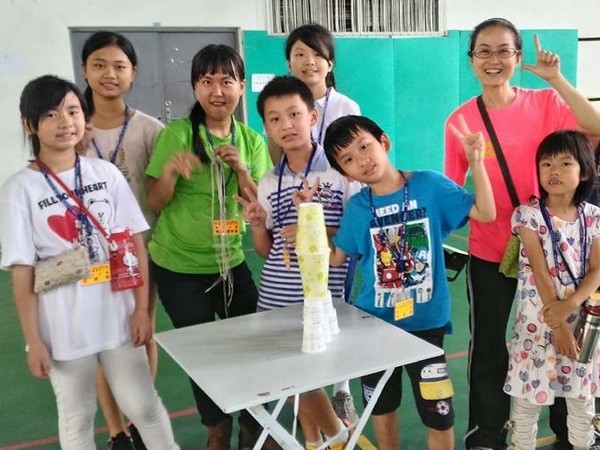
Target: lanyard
(281, 216)
(211, 142)
(83, 215)
(79, 214)
(401, 256)
(113, 155)
(322, 124)
(556, 251)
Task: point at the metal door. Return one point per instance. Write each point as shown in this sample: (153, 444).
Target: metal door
(162, 86)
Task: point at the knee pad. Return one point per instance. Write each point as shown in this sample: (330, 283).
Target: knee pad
(436, 391)
(434, 383)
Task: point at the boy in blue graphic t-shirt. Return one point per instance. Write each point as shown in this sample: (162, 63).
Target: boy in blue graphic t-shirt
(396, 226)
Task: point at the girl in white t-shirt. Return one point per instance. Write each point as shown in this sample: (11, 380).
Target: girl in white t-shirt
(125, 137)
(72, 328)
(310, 54)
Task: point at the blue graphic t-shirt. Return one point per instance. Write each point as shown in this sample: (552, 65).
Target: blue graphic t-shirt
(410, 292)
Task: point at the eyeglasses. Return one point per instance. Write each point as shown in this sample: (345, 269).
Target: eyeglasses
(486, 53)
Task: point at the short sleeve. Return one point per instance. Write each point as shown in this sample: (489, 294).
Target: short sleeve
(16, 226)
(261, 160)
(173, 138)
(264, 190)
(527, 216)
(343, 239)
(127, 209)
(593, 221)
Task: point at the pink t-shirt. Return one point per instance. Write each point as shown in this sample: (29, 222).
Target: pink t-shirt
(520, 127)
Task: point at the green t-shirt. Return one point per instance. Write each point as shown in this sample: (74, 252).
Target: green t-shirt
(183, 239)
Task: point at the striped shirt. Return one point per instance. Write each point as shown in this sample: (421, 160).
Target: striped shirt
(280, 286)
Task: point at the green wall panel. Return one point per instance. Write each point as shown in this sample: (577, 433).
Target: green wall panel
(407, 85)
(426, 92)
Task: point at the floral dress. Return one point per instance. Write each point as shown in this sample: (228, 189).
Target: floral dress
(535, 371)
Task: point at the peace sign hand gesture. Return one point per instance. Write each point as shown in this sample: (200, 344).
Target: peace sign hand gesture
(254, 214)
(547, 65)
(306, 194)
(472, 143)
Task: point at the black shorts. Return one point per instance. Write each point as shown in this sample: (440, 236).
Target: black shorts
(431, 386)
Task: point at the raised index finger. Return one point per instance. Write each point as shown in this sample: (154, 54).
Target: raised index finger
(537, 43)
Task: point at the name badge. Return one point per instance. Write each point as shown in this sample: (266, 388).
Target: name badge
(99, 273)
(229, 227)
(403, 308)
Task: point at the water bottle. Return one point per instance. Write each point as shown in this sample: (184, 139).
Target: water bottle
(589, 329)
(124, 264)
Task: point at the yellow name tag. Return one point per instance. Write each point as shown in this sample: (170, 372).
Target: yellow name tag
(100, 273)
(403, 309)
(229, 227)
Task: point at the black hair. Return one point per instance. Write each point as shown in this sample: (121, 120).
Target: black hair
(99, 40)
(495, 22)
(211, 59)
(577, 145)
(282, 86)
(319, 39)
(42, 95)
(341, 132)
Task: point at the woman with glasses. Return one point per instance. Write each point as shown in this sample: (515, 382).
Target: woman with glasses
(521, 118)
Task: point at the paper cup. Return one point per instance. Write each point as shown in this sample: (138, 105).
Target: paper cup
(311, 234)
(314, 272)
(316, 316)
(331, 315)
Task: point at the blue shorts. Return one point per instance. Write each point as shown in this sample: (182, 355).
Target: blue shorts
(431, 386)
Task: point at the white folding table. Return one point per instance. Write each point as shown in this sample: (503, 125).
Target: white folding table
(245, 362)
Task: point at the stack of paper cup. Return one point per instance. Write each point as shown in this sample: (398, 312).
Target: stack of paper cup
(312, 249)
(331, 314)
(316, 330)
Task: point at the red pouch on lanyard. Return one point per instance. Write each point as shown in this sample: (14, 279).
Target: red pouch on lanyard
(124, 267)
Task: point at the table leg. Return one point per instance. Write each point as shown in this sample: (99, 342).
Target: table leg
(272, 427)
(368, 409)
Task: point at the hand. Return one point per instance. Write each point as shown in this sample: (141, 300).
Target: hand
(306, 194)
(38, 360)
(473, 144)
(254, 214)
(182, 163)
(547, 65)
(556, 313)
(141, 329)
(229, 155)
(564, 342)
(288, 234)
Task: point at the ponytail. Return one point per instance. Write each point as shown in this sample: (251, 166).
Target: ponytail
(330, 79)
(197, 117)
(88, 95)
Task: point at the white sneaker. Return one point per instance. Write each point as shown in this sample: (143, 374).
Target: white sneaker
(343, 405)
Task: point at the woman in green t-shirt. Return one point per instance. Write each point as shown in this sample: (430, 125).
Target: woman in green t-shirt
(198, 164)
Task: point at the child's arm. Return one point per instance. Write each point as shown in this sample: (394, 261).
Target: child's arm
(484, 208)
(564, 340)
(547, 67)
(537, 262)
(141, 328)
(38, 357)
(337, 257)
(256, 216)
(556, 313)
